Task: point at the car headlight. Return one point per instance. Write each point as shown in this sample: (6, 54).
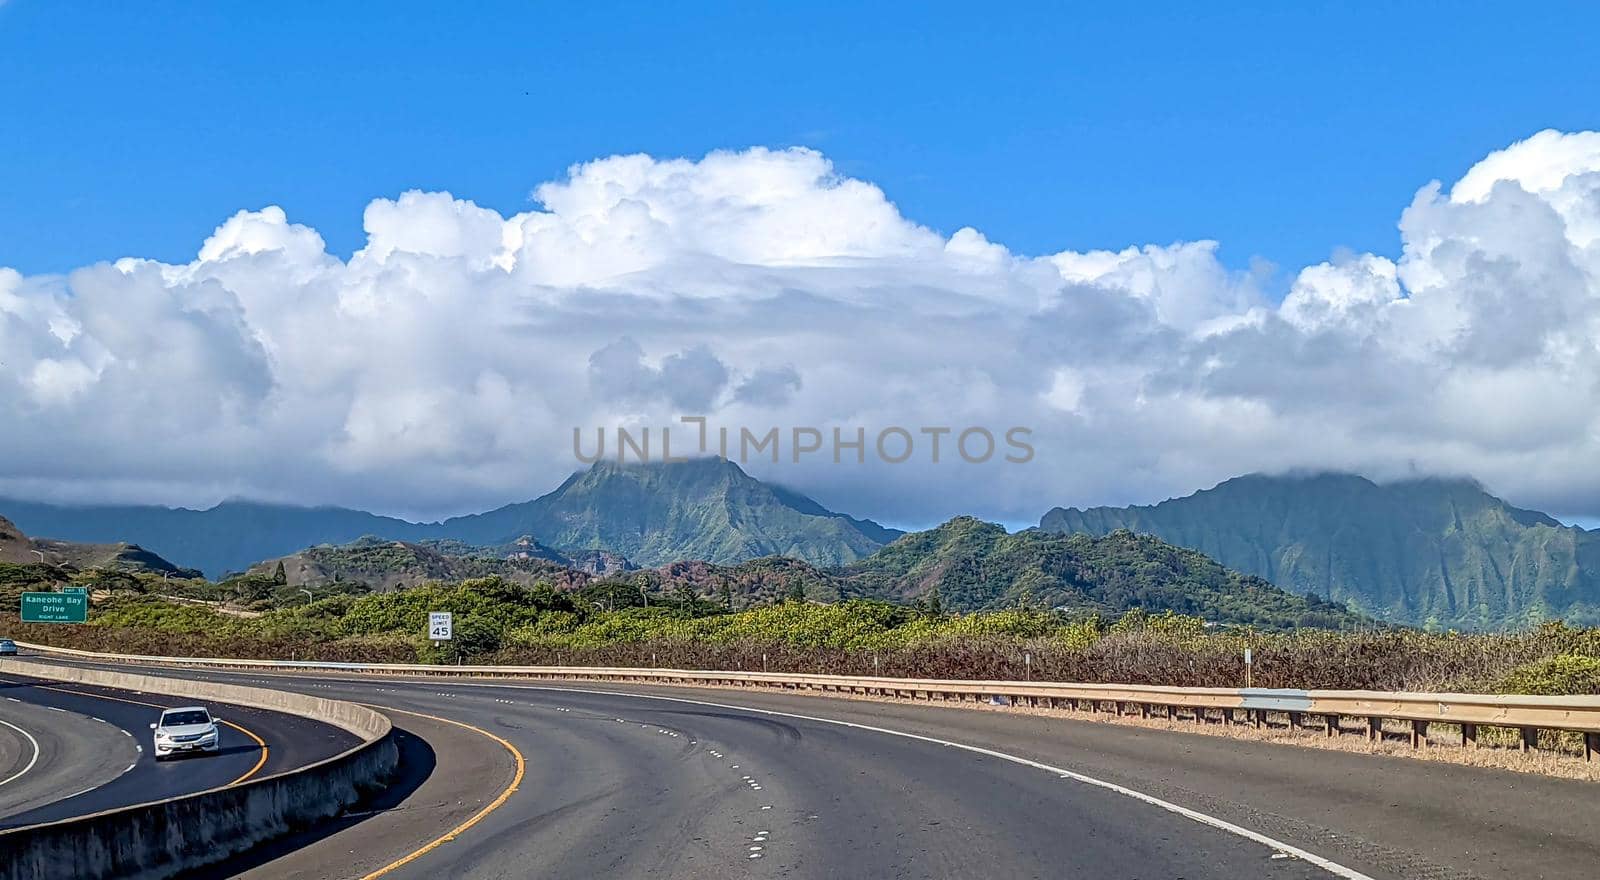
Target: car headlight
(161, 734)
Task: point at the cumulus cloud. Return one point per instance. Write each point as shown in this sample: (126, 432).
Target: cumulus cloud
(443, 366)
(690, 380)
(769, 386)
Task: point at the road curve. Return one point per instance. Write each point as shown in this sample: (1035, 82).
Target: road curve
(45, 754)
(254, 743)
(651, 782)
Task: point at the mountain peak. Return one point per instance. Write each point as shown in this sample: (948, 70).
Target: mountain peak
(698, 463)
(659, 512)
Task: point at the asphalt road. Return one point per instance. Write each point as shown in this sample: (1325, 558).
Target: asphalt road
(256, 743)
(680, 783)
(46, 753)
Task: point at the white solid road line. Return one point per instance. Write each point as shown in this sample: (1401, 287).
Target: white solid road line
(31, 761)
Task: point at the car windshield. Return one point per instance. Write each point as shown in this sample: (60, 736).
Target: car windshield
(178, 719)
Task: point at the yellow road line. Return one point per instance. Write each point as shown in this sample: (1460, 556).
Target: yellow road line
(478, 817)
(261, 762)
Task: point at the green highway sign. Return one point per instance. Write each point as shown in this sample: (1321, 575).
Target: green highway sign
(55, 608)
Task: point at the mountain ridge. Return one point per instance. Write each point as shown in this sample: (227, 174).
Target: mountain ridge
(719, 514)
(18, 549)
(970, 565)
(1431, 551)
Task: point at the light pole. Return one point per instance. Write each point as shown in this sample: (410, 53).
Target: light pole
(309, 598)
(40, 554)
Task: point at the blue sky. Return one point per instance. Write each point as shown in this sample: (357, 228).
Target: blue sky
(1281, 130)
(765, 281)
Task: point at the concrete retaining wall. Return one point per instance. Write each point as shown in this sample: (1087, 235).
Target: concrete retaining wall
(162, 838)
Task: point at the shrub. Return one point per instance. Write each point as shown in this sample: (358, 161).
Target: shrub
(1555, 676)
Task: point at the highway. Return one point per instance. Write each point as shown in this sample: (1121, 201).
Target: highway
(94, 746)
(580, 781)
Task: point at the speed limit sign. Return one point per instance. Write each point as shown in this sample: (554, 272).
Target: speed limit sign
(440, 625)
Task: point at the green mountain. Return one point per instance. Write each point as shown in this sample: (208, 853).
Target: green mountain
(652, 514)
(977, 565)
(1435, 552)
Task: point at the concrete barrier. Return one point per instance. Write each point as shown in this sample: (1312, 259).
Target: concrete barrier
(162, 838)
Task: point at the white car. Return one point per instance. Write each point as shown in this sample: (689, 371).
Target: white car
(185, 730)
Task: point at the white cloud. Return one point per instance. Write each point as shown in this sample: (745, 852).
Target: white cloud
(443, 366)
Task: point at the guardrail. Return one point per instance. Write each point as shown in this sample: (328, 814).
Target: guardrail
(165, 837)
(1323, 710)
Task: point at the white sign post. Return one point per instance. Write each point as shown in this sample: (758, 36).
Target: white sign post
(441, 626)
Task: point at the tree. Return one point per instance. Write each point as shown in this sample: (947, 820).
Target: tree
(727, 597)
(685, 598)
(476, 635)
(797, 592)
(280, 576)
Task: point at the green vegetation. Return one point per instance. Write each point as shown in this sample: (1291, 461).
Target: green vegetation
(498, 621)
(1561, 674)
(1435, 553)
